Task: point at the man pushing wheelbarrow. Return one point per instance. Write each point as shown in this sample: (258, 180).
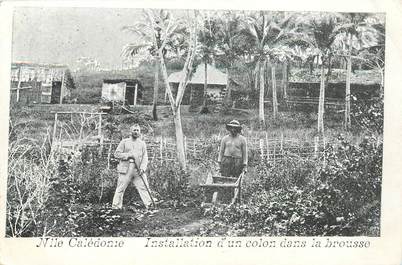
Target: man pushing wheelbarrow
(232, 160)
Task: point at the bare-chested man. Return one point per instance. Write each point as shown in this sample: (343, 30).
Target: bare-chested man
(233, 151)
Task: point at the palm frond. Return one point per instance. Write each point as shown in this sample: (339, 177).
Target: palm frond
(132, 49)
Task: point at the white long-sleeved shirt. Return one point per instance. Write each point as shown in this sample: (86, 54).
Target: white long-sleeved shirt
(130, 148)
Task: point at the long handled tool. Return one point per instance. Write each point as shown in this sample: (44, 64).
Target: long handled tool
(145, 183)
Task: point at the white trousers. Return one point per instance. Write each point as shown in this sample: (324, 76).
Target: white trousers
(123, 182)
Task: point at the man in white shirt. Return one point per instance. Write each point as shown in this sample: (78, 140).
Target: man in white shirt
(133, 156)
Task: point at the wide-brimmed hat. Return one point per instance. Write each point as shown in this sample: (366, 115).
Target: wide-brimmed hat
(233, 124)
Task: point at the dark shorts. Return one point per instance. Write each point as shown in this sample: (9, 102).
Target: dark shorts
(231, 166)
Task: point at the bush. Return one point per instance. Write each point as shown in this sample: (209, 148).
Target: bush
(28, 188)
(350, 185)
(171, 184)
(368, 115)
(85, 95)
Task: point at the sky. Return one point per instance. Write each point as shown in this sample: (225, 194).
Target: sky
(62, 35)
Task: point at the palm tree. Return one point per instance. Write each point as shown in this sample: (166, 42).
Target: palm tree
(257, 27)
(270, 33)
(356, 34)
(322, 29)
(207, 39)
(229, 45)
(374, 56)
(150, 38)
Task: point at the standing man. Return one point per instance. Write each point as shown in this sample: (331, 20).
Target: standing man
(233, 151)
(132, 153)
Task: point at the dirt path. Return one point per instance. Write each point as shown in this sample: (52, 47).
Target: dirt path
(164, 222)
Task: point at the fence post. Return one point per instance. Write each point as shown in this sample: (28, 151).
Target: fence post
(194, 152)
(160, 149)
(54, 129)
(274, 155)
(100, 125)
(315, 146)
(262, 148)
(267, 143)
(100, 135)
(281, 142)
(61, 130)
(323, 151)
(165, 148)
(109, 155)
(185, 147)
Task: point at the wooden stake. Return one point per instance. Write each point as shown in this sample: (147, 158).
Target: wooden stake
(267, 143)
(323, 161)
(54, 129)
(135, 94)
(262, 148)
(19, 84)
(315, 146)
(109, 155)
(62, 88)
(161, 149)
(185, 147)
(100, 126)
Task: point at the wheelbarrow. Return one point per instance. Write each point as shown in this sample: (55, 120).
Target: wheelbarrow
(224, 190)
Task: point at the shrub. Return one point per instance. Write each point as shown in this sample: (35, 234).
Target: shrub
(85, 95)
(368, 115)
(289, 172)
(28, 188)
(171, 184)
(350, 185)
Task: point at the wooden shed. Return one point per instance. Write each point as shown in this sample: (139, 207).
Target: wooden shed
(130, 91)
(40, 83)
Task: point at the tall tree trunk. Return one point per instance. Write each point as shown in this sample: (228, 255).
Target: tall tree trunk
(156, 90)
(274, 96)
(204, 108)
(181, 155)
(311, 65)
(228, 96)
(329, 70)
(321, 101)
(261, 117)
(285, 80)
(347, 92)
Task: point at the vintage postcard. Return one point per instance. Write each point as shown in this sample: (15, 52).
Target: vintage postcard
(208, 133)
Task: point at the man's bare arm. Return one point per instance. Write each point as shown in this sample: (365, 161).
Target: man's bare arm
(222, 149)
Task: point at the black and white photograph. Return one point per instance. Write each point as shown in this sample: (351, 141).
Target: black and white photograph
(129, 122)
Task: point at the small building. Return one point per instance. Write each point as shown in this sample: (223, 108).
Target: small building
(129, 91)
(40, 83)
(194, 94)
